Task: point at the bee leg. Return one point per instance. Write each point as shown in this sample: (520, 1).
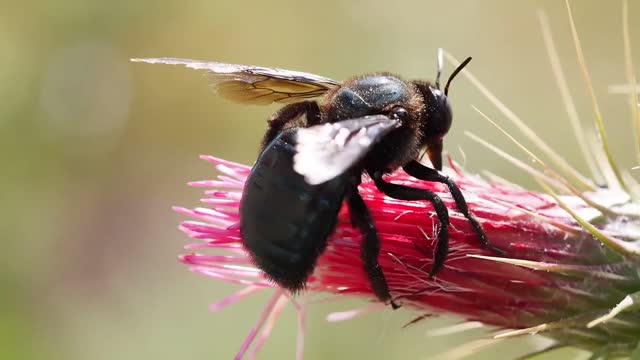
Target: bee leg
(370, 248)
(292, 116)
(403, 192)
(425, 173)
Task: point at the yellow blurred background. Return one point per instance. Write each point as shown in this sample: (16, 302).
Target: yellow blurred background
(95, 150)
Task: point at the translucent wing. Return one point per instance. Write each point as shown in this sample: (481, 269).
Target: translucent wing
(255, 84)
(328, 150)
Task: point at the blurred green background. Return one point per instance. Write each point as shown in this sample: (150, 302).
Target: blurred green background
(95, 150)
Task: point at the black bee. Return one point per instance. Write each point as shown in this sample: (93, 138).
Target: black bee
(315, 152)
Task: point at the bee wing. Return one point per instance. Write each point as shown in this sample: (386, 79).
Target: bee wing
(328, 150)
(255, 84)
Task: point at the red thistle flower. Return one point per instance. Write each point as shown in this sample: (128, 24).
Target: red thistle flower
(561, 266)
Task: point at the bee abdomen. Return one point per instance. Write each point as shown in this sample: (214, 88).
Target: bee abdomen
(285, 222)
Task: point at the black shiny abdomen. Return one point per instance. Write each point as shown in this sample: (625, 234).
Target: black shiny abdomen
(285, 222)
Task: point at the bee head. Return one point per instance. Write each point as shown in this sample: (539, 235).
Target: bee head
(438, 117)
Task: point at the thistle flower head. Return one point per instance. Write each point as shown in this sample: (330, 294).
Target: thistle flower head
(570, 269)
(553, 269)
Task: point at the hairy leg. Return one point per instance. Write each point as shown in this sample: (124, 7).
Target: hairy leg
(370, 248)
(425, 173)
(290, 116)
(402, 192)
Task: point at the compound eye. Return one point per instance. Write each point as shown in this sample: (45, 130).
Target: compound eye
(399, 113)
(446, 116)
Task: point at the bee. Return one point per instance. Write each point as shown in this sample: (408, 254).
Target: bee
(315, 151)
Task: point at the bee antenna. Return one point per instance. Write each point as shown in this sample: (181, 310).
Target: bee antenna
(454, 73)
(439, 68)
